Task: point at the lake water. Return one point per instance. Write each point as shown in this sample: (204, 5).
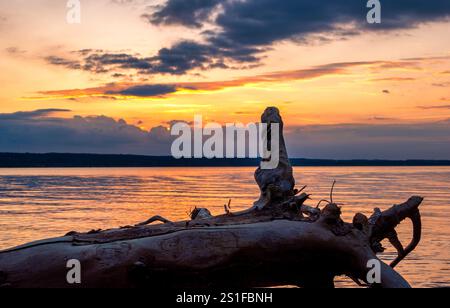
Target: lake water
(42, 203)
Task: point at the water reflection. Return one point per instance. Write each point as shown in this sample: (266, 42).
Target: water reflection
(41, 203)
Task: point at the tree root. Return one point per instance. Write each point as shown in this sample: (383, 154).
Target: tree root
(279, 241)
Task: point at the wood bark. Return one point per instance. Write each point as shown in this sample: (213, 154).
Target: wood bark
(256, 249)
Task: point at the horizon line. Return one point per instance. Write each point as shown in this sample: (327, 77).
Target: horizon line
(90, 160)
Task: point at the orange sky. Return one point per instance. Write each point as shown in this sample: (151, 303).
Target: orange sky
(396, 76)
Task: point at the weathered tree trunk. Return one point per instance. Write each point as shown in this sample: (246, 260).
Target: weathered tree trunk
(251, 250)
(282, 242)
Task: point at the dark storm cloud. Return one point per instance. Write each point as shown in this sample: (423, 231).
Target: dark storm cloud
(190, 13)
(262, 22)
(146, 90)
(242, 30)
(188, 55)
(246, 28)
(184, 56)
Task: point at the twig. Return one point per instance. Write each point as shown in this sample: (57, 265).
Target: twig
(320, 202)
(228, 207)
(332, 190)
(299, 191)
(189, 213)
(331, 196)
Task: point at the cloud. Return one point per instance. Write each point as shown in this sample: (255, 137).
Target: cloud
(149, 90)
(59, 61)
(262, 22)
(24, 115)
(185, 56)
(146, 90)
(238, 33)
(39, 133)
(434, 107)
(371, 141)
(97, 62)
(394, 79)
(380, 118)
(34, 132)
(190, 13)
(181, 58)
(250, 27)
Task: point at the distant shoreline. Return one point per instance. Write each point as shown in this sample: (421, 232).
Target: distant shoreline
(54, 160)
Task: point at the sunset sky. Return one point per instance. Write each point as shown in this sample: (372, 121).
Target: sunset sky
(115, 83)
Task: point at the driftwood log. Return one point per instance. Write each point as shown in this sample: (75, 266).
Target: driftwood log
(281, 242)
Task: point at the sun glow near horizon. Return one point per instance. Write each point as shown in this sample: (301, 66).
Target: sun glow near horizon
(120, 64)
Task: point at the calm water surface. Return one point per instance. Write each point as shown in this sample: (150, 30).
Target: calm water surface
(41, 203)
